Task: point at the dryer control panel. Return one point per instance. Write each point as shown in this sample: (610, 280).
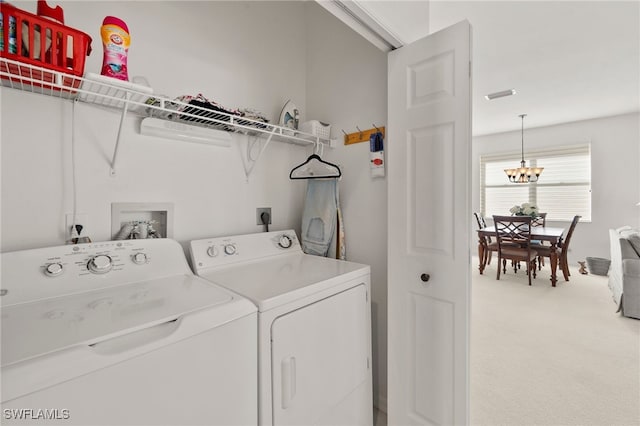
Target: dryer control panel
(221, 251)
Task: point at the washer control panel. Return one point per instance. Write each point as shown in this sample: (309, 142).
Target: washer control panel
(53, 271)
(220, 251)
(98, 259)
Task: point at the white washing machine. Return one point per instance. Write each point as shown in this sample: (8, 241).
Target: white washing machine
(314, 326)
(123, 333)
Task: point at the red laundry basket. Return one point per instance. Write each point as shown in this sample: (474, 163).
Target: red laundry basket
(43, 43)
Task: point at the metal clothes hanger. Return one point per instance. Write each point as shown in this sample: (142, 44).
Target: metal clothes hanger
(315, 168)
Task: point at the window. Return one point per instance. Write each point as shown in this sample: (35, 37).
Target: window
(563, 190)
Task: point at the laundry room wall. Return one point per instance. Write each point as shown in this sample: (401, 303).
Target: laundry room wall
(347, 87)
(240, 54)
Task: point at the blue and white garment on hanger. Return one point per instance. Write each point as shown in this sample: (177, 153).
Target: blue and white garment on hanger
(319, 216)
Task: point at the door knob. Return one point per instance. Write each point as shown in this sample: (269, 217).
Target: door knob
(425, 277)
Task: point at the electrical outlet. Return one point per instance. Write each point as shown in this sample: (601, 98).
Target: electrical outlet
(81, 219)
(259, 212)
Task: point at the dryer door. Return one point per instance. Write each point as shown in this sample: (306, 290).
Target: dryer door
(320, 362)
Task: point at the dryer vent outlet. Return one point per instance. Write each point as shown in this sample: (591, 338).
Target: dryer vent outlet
(260, 219)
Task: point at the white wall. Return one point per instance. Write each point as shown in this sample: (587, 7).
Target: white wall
(347, 87)
(241, 54)
(615, 174)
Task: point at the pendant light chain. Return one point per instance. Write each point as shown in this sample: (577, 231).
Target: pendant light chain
(522, 116)
(523, 174)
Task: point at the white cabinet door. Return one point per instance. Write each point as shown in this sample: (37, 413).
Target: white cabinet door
(320, 362)
(429, 159)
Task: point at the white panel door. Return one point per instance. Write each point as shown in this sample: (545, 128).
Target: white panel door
(429, 158)
(320, 356)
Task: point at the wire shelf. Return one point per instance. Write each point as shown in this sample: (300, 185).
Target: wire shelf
(140, 100)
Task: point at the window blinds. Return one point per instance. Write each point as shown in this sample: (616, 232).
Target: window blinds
(563, 190)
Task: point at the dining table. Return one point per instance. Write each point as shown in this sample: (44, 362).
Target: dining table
(541, 233)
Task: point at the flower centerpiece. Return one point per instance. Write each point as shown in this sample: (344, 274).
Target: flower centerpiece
(525, 209)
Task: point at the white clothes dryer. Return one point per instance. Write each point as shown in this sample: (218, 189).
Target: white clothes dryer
(123, 333)
(314, 326)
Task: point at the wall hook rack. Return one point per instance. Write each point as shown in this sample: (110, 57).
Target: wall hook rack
(362, 135)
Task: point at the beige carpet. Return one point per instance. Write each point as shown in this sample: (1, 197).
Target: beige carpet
(551, 356)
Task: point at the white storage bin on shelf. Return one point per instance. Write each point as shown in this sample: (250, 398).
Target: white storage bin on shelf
(316, 128)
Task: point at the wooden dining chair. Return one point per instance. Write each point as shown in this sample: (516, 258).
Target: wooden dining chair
(539, 220)
(563, 249)
(489, 245)
(513, 234)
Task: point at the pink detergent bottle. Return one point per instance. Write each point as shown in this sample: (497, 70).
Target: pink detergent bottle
(115, 41)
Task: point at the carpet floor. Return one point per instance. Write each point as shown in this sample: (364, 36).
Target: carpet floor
(551, 356)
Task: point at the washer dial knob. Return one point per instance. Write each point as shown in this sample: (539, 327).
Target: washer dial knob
(53, 269)
(212, 251)
(140, 258)
(100, 264)
(230, 249)
(285, 241)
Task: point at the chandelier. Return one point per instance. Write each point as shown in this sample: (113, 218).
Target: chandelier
(523, 174)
